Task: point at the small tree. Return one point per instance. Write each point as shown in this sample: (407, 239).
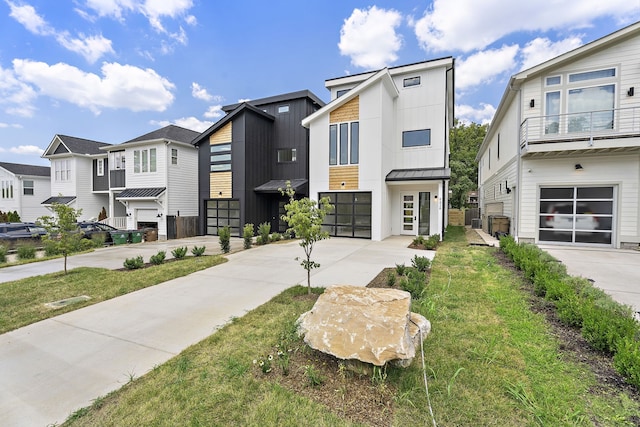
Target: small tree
(62, 230)
(305, 217)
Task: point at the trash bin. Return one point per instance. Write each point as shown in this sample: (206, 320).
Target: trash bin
(136, 236)
(120, 237)
(150, 235)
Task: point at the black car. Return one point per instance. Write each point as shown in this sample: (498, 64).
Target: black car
(12, 232)
(90, 228)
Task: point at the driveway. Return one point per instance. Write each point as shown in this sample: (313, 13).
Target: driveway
(51, 368)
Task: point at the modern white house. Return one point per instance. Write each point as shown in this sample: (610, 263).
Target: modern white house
(152, 179)
(23, 189)
(379, 150)
(561, 158)
(78, 175)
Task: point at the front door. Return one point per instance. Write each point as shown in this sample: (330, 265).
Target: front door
(408, 217)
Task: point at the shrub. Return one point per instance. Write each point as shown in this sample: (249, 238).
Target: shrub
(134, 263)
(414, 282)
(418, 241)
(224, 235)
(391, 278)
(627, 360)
(432, 242)
(98, 239)
(569, 310)
(179, 252)
(50, 247)
(198, 250)
(3, 254)
(247, 235)
(158, 258)
(605, 327)
(264, 230)
(276, 237)
(26, 250)
(401, 269)
(420, 263)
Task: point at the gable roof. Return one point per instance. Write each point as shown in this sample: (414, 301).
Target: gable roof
(518, 79)
(74, 145)
(171, 133)
(226, 119)
(277, 99)
(30, 170)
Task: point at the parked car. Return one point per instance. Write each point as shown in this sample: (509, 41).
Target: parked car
(12, 232)
(561, 218)
(90, 229)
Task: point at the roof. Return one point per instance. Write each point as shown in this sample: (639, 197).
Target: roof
(74, 145)
(141, 193)
(226, 119)
(275, 185)
(278, 98)
(20, 169)
(426, 174)
(63, 200)
(170, 132)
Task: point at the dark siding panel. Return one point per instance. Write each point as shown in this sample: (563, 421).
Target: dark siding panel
(258, 166)
(100, 183)
(203, 183)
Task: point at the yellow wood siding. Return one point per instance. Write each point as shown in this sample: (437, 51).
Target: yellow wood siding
(222, 135)
(220, 182)
(349, 112)
(346, 174)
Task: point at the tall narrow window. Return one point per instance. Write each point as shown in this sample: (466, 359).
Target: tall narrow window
(344, 143)
(355, 142)
(174, 156)
(333, 145)
(27, 187)
(100, 167)
(220, 157)
(136, 162)
(152, 160)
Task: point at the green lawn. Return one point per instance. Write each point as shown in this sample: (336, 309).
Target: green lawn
(489, 361)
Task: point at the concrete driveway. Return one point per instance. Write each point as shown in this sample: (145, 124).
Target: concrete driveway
(616, 271)
(51, 368)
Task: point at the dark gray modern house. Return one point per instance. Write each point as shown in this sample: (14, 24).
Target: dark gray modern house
(245, 157)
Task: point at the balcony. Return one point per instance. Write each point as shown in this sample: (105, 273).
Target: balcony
(602, 130)
(117, 178)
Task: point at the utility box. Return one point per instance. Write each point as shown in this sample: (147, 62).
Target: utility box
(476, 223)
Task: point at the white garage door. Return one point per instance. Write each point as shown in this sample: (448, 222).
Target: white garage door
(576, 215)
(147, 215)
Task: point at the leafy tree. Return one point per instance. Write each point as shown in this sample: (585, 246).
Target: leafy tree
(465, 141)
(62, 230)
(304, 217)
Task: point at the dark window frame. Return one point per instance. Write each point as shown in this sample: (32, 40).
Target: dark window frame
(28, 190)
(413, 141)
(411, 81)
(217, 150)
(289, 155)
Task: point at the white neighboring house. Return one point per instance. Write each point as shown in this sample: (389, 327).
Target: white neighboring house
(380, 151)
(23, 189)
(78, 175)
(153, 177)
(561, 158)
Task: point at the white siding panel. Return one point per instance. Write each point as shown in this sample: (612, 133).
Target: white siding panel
(32, 207)
(182, 188)
(147, 179)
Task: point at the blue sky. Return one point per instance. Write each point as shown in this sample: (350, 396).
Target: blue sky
(112, 70)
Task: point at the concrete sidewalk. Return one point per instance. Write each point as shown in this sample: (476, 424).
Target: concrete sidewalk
(53, 367)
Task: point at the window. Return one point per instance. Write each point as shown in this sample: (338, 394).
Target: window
(416, 138)
(555, 80)
(116, 160)
(344, 141)
(411, 81)
(144, 161)
(585, 107)
(341, 92)
(62, 170)
(100, 167)
(351, 216)
(174, 156)
(286, 155)
(7, 189)
(283, 109)
(590, 75)
(27, 187)
(220, 157)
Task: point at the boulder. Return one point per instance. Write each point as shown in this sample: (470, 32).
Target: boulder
(372, 325)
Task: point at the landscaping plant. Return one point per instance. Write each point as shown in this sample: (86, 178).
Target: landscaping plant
(3, 254)
(134, 263)
(62, 230)
(224, 235)
(26, 250)
(247, 236)
(158, 258)
(198, 250)
(179, 252)
(264, 230)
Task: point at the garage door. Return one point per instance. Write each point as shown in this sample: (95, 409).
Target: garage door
(576, 215)
(351, 216)
(221, 213)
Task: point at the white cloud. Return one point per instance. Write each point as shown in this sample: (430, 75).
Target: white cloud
(540, 50)
(466, 25)
(468, 114)
(91, 48)
(120, 86)
(369, 37)
(17, 97)
(154, 10)
(214, 112)
(10, 125)
(112, 8)
(482, 67)
(199, 92)
(191, 20)
(185, 122)
(27, 150)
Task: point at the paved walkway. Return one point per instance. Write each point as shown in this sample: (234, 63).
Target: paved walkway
(53, 367)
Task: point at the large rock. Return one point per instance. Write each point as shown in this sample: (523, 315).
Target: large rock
(372, 325)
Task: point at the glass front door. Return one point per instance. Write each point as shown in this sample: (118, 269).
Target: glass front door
(408, 214)
(424, 217)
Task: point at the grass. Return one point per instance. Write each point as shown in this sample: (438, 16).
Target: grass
(22, 301)
(489, 361)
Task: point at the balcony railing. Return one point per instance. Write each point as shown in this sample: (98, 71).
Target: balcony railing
(601, 124)
(119, 222)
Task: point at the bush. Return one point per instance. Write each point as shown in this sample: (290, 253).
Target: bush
(134, 263)
(418, 241)
(569, 310)
(420, 263)
(414, 282)
(198, 251)
(247, 235)
(264, 230)
(158, 258)
(224, 235)
(401, 269)
(276, 237)
(179, 252)
(432, 242)
(3, 254)
(50, 247)
(605, 327)
(627, 360)
(98, 239)
(391, 278)
(26, 250)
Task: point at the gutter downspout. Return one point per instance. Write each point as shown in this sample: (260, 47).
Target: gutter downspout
(445, 196)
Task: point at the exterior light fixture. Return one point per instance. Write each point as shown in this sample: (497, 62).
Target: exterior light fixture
(578, 166)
